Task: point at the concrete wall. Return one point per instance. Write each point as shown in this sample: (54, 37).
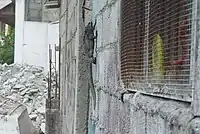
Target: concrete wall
(36, 37)
(68, 34)
(33, 10)
(140, 113)
(35, 44)
(50, 15)
(74, 86)
(65, 127)
(33, 36)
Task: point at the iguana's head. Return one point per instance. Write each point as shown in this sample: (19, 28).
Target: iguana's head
(89, 28)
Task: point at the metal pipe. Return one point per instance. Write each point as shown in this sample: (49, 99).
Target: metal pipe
(50, 60)
(59, 83)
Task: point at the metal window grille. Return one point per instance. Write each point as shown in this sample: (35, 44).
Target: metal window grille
(156, 42)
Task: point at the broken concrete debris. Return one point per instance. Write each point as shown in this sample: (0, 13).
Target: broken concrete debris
(27, 85)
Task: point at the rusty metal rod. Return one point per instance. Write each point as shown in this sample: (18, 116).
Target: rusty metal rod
(56, 92)
(59, 83)
(50, 60)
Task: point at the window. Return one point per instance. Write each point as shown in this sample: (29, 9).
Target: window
(156, 42)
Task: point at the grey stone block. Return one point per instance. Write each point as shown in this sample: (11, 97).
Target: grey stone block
(25, 124)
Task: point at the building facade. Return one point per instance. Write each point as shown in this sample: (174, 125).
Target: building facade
(146, 81)
(36, 27)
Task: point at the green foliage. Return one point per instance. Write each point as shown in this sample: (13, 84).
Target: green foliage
(7, 47)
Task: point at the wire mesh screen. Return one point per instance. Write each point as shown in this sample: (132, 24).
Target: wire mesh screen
(156, 41)
(132, 40)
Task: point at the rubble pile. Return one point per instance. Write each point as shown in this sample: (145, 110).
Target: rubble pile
(27, 85)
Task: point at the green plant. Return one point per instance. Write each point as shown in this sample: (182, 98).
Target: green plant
(7, 47)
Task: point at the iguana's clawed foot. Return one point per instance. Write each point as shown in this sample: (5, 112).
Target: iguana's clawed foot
(94, 61)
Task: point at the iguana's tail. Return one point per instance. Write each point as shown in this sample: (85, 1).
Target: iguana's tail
(91, 83)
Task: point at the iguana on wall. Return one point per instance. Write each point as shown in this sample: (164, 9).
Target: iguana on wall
(89, 51)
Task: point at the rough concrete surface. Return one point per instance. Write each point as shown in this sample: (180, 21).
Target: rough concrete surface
(140, 114)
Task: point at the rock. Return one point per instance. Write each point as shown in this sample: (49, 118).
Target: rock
(29, 84)
(45, 90)
(42, 127)
(14, 91)
(25, 100)
(26, 84)
(4, 65)
(24, 91)
(33, 117)
(18, 75)
(12, 97)
(33, 90)
(32, 77)
(36, 70)
(21, 89)
(38, 120)
(3, 111)
(7, 87)
(41, 110)
(18, 86)
(29, 109)
(13, 80)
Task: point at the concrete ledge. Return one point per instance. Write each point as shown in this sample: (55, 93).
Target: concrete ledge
(177, 114)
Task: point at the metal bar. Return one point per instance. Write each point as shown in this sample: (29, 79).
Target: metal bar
(59, 73)
(146, 40)
(50, 59)
(87, 9)
(55, 75)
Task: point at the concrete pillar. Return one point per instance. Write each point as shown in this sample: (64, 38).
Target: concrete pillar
(196, 95)
(52, 117)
